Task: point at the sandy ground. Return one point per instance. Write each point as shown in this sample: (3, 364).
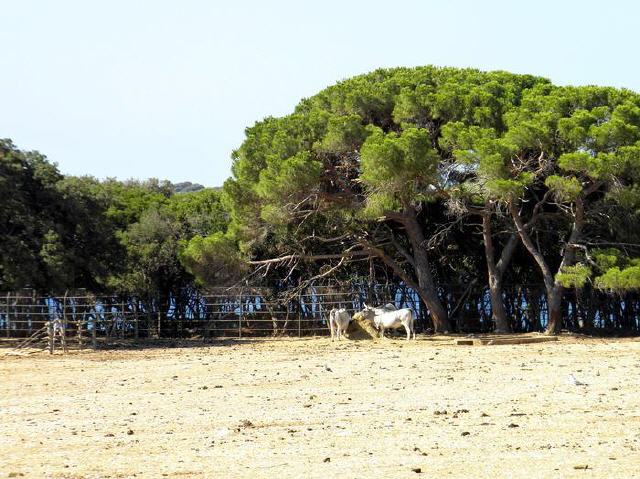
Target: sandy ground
(310, 408)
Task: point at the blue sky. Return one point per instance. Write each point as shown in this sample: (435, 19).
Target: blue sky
(166, 88)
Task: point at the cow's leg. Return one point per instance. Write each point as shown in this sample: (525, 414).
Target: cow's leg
(339, 329)
(381, 332)
(408, 328)
(331, 328)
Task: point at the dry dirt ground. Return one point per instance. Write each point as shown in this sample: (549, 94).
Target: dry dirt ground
(312, 408)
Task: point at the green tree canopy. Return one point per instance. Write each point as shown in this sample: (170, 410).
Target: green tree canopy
(375, 162)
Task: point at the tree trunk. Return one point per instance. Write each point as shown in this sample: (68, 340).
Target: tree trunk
(554, 303)
(495, 273)
(431, 301)
(553, 288)
(554, 308)
(568, 258)
(436, 309)
(427, 290)
(498, 312)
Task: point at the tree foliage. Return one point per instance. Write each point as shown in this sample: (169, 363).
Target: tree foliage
(70, 232)
(442, 178)
(398, 161)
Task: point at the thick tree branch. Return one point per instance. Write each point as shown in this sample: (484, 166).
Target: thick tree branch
(403, 251)
(308, 257)
(323, 239)
(531, 247)
(389, 261)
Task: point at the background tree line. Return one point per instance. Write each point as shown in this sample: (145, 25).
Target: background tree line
(64, 232)
(443, 179)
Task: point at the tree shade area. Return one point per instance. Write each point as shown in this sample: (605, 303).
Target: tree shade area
(439, 179)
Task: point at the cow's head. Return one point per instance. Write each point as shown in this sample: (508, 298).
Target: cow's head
(368, 312)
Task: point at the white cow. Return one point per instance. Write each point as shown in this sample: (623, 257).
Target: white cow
(389, 319)
(382, 309)
(338, 322)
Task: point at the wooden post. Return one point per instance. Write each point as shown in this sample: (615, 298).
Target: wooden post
(79, 325)
(240, 316)
(34, 310)
(299, 323)
(135, 318)
(7, 321)
(320, 310)
(79, 337)
(94, 329)
(50, 333)
(106, 312)
(149, 321)
(159, 321)
(64, 323)
(124, 318)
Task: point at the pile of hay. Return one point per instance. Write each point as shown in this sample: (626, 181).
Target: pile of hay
(361, 328)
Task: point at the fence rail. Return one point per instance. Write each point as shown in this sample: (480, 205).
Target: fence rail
(81, 319)
(88, 320)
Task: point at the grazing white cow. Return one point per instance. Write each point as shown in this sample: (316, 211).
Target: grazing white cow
(382, 309)
(391, 319)
(338, 322)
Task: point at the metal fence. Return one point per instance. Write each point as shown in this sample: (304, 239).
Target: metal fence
(80, 319)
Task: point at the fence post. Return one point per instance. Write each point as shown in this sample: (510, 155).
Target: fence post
(135, 318)
(298, 307)
(321, 310)
(94, 329)
(7, 322)
(124, 318)
(50, 333)
(159, 321)
(240, 316)
(299, 322)
(79, 320)
(64, 323)
(33, 311)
